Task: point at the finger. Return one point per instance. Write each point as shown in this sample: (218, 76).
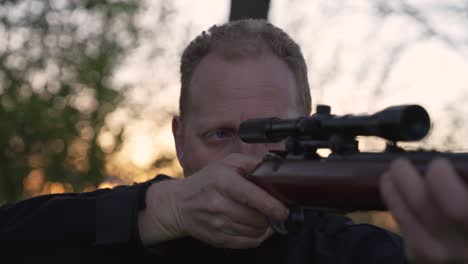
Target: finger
(243, 164)
(412, 187)
(221, 231)
(248, 194)
(229, 215)
(221, 204)
(244, 215)
(225, 225)
(449, 191)
(236, 229)
(239, 242)
(419, 241)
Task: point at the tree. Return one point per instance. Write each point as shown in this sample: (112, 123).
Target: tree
(56, 66)
(249, 9)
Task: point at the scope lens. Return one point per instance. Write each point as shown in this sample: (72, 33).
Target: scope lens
(415, 123)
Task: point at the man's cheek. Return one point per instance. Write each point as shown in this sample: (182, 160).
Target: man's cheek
(213, 155)
(198, 158)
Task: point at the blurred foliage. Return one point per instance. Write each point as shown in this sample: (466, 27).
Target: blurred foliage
(57, 59)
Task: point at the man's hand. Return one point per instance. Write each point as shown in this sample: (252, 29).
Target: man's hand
(216, 205)
(432, 211)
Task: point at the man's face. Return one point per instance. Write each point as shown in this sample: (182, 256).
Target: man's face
(224, 93)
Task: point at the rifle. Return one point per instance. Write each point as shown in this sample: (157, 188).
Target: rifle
(347, 180)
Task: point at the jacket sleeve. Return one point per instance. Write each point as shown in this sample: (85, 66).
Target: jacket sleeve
(100, 218)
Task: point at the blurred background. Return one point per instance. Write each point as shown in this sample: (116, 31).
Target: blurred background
(88, 88)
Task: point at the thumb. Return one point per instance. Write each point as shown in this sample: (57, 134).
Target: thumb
(242, 163)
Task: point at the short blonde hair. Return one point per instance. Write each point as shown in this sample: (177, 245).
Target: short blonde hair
(240, 39)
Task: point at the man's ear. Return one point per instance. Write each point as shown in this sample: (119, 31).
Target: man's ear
(178, 133)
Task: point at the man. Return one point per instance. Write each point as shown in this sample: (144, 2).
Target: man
(234, 72)
(250, 69)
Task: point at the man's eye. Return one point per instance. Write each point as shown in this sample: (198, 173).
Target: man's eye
(220, 135)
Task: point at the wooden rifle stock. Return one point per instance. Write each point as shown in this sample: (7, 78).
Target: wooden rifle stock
(348, 183)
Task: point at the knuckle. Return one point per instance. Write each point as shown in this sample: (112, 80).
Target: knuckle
(267, 207)
(220, 180)
(222, 185)
(217, 223)
(215, 205)
(457, 213)
(243, 200)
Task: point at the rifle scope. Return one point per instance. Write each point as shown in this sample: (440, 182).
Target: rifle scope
(395, 123)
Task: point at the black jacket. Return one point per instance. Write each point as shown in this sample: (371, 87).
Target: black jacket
(101, 226)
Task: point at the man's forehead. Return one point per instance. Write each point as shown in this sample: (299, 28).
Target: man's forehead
(264, 80)
(231, 114)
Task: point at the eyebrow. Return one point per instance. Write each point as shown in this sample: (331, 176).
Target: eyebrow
(216, 123)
